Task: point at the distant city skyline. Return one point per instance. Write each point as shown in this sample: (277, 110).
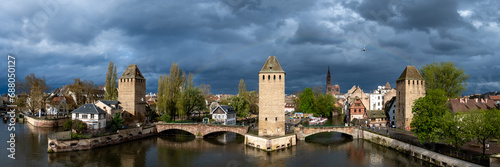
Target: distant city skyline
(223, 41)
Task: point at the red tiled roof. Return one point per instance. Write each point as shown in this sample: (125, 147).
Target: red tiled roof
(495, 98)
(464, 105)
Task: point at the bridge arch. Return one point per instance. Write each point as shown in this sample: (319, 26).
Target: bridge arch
(200, 130)
(303, 132)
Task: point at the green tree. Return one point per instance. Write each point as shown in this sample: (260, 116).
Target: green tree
(117, 121)
(79, 126)
(427, 115)
(241, 105)
(111, 83)
(68, 124)
(324, 104)
(254, 100)
(454, 129)
(165, 118)
(193, 100)
(242, 89)
(483, 125)
(307, 101)
(446, 76)
(169, 92)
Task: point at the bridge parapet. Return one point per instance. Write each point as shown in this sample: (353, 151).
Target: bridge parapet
(200, 129)
(302, 132)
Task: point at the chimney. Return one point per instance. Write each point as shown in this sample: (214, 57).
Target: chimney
(466, 100)
(475, 99)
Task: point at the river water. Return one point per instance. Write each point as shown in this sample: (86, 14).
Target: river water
(176, 148)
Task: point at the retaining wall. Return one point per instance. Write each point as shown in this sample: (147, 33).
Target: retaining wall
(420, 153)
(85, 144)
(46, 123)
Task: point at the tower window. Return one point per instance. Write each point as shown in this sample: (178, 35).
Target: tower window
(268, 77)
(280, 77)
(263, 77)
(266, 118)
(274, 77)
(275, 118)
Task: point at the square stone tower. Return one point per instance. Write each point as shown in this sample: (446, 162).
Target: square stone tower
(132, 94)
(271, 99)
(409, 87)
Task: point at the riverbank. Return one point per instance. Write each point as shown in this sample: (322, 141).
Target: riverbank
(62, 142)
(415, 151)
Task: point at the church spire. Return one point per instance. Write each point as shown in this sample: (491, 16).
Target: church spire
(328, 77)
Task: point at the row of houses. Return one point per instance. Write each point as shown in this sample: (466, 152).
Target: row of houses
(387, 117)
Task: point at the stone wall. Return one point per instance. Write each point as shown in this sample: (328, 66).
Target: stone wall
(57, 145)
(46, 123)
(270, 144)
(200, 130)
(420, 153)
(303, 132)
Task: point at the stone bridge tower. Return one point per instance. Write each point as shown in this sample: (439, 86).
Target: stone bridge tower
(272, 99)
(131, 94)
(409, 87)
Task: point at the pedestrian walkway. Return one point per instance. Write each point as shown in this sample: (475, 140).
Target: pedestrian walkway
(469, 151)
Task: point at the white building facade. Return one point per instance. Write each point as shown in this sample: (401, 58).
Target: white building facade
(90, 114)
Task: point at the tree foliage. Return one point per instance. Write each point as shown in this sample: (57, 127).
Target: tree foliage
(427, 115)
(111, 83)
(177, 95)
(68, 124)
(307, 101)
(78, 126)
(445, 76)
(84, 91)
(483, 125)
(35, 88)
(117, 121)
(454, 129)
(241, 105)
(242, 88)
(316, 102)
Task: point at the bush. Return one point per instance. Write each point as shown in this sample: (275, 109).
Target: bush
(68, 124)
(165, 118)
(79, 126)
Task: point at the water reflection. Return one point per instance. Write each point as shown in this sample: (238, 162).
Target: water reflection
(218, 149)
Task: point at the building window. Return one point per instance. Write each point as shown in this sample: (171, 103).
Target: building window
(274, 77)
(263, 77)
(77, 115)
(275, 118)
(91, 116)
(268, 77)
(84, 116)
(266, 118)
(280, 77)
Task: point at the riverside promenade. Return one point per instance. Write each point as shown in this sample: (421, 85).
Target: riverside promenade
(470, 151)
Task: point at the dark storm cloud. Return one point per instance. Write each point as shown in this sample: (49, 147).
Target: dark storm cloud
(223, 41)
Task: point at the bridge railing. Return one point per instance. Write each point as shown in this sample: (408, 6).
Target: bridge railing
(186, 122)
(342, 125)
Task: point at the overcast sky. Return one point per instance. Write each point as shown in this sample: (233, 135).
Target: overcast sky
(223, 41)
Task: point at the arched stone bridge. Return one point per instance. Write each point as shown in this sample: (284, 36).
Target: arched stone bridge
(200, 130)
(302, 132)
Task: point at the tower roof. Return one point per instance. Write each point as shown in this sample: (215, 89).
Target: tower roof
(272, 65)
(410, 73)
(387, 85)
(132, 72)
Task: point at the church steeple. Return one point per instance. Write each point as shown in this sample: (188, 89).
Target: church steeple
(328, 77)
